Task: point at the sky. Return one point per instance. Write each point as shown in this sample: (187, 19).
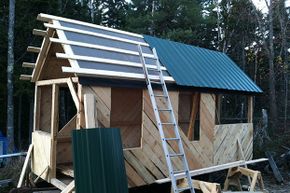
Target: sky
(261, 4)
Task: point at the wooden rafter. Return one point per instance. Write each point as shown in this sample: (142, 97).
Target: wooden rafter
(103, 60)
(38, 32)
(115, 74)
(33, 49)
(73, 93)
(28, 65)
(25, 77)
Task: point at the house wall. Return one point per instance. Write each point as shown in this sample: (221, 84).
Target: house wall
(145, 164)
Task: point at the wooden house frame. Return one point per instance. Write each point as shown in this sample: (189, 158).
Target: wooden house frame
(106, 97)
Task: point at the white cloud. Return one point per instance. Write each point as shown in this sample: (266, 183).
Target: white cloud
(261, 5)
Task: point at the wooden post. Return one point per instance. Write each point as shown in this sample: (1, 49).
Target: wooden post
(250, 109)
(36, 111)
(54, 128)
(90, 110)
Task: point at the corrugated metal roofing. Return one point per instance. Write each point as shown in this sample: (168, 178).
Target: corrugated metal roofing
(98, 161)
(199, 67)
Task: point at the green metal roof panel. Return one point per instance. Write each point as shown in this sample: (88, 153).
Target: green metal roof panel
(200, 67)
(99, 161)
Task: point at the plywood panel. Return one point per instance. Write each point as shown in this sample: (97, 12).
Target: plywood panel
(225, 143)
(41, 153)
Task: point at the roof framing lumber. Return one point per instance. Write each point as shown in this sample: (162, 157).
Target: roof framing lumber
(42, 55)
(33, 49)
(107, 61)
(25, 77)
(98, 47)
(73, 93)
(28, 65)
(114, 74)
(56, 81)
(48, 18)
(95, 34)
(38, 32)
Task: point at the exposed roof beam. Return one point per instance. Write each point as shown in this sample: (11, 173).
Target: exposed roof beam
(49, 18)
(39, 32)
(114, 74)
(95, 34)
(98, 47)
(107, 61)
(28, 65)
(33, 49)
(25, 77)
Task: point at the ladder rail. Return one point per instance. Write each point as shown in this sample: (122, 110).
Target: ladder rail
(177, 134)
(172, 121)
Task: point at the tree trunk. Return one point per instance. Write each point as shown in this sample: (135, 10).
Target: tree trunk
(272, 90)
(10, 70)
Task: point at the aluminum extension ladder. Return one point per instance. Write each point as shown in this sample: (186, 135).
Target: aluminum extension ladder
(171, 124)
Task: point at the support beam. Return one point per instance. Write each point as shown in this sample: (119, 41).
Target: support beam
(33, 49)
(25, 77)
(54, 129)
(28, 65)
(73, 93)
(250, 109)
(38, 32)
(90, 110)
(56, 81)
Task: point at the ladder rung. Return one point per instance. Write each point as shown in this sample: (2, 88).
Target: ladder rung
(164, 110)
(176, 154)
(168, 123)
(153, 69)
(154, 82)
(171, 139)
(161, 96)
(183, 189)
(179, 171)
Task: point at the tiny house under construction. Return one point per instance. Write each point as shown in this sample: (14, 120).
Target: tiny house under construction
(100, 68)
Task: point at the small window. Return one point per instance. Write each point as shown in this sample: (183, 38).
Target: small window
(232, 109)
(126, 114)
(188, 114)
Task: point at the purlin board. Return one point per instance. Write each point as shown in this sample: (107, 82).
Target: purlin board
(99, 161)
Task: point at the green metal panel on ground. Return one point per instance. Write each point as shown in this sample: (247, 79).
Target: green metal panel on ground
(98, 161)
(200, 67)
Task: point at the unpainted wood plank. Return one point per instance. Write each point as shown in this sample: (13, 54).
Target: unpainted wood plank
(90, 110)
(33, 49)
(38, 32)
(250, 109)
(56, 81)
(54, 128)
(25, 77)
(73, 93)
(28, 155)
(69, 188)
(40, 159)
(28, 65)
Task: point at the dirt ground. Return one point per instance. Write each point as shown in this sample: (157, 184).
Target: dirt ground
(272, 187)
